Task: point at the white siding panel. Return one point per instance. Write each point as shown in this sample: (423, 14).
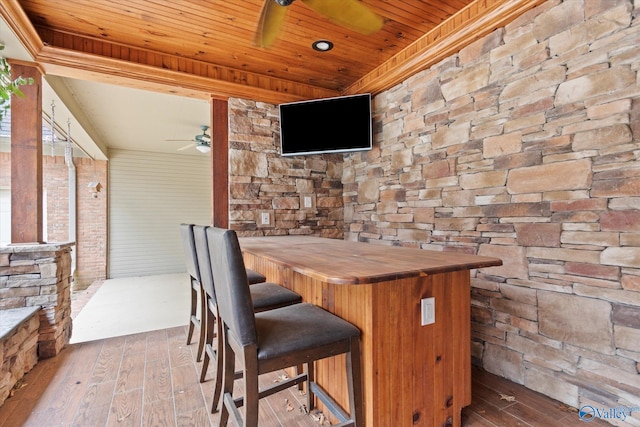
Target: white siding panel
(150, 195)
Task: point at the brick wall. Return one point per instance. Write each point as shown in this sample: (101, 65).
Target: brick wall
(260, 180)
(91, 222)
(55, 182)
(525, 146)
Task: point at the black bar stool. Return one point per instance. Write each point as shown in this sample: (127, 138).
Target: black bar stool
(276, 339)
(197, 292)
(264, 296)
(186, 234)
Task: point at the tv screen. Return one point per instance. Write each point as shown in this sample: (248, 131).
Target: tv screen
(330, 125)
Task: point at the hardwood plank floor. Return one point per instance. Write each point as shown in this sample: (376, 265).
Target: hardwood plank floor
(151, 379)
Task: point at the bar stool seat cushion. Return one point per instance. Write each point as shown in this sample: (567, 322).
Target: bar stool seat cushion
(255, 277)
(268, 295)
(288, 330)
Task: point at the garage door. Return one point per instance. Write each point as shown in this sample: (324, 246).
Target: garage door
(150, 194)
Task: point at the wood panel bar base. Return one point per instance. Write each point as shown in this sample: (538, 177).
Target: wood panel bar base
(414, 375)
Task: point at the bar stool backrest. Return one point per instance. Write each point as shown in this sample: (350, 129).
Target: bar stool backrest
(204, 261)
(231, 285)
(186, 234)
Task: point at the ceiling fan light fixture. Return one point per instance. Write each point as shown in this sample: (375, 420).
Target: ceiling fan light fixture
(322, 45)
(203, 141)
(203, 147)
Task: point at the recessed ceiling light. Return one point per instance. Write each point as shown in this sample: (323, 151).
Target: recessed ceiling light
(322, 45)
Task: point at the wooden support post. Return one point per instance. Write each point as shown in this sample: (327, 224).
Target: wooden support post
(26, 157)
(220, 162)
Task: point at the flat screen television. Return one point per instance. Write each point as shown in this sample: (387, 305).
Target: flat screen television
(329, 125)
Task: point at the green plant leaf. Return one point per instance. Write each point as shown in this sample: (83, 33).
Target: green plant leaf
(9, 86)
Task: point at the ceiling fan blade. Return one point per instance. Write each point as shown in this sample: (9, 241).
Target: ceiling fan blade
(351, 14)
(271, 20)
(186, 146)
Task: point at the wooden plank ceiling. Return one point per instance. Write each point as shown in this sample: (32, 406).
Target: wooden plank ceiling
(206, 48)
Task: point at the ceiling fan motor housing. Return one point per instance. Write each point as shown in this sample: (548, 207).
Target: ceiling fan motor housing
(284, 2)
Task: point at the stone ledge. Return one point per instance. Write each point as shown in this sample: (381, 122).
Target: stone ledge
(15, 248)
(12, 318)
(18, 346)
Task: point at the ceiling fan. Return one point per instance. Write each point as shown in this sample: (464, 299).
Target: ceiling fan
(351, 14)
(202, 142)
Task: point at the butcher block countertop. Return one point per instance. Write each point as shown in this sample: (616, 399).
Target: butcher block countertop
(346, 262)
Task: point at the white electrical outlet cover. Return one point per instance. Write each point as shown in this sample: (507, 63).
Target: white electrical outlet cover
(428, 311)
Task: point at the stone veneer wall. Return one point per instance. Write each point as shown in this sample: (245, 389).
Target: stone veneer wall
(525, 146)
(40, 275)
(260, 180)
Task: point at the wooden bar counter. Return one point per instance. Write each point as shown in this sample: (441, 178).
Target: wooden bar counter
(413, 375)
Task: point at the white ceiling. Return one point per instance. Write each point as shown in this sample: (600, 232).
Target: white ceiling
(134, 119)
(104, 116)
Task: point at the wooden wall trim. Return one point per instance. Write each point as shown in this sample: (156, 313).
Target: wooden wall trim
(171, 72)
(468, 25)
(15, 17)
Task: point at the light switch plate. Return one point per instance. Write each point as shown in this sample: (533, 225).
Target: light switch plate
(264, 218)
(308, 202)
(428, 311)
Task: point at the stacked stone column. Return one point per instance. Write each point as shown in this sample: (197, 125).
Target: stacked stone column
(40, 275)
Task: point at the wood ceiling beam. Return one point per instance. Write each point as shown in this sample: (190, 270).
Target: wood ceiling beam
(80, 65)
(13, 14)
(77, 57)
(161, 73)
